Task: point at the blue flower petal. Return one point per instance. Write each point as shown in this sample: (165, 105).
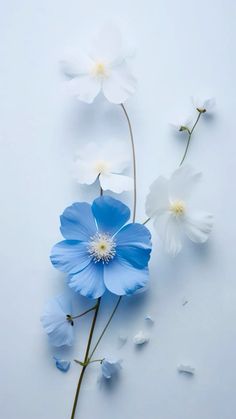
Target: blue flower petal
(110, 367)
(70, 256)
(61, 364)
(110, 214)
(134, 234)
(55, 323)
(77, 222)
(136, 256)
(89, 281)
(134, 244)
(121, 278)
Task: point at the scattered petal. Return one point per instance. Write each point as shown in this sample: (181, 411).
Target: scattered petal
(149, 319)
(140, 338)
(188, 369)
(122, 339)
(61, 364)
(110, 367)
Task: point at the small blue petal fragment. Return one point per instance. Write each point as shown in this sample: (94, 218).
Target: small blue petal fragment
(110, 367)
(61, 364)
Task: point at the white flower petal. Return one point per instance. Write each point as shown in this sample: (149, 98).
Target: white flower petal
(85, 88)
(157, 200)
(84, 173)
(181, 123)
(119, 85)
(107, 45)
(75, 63)
(198, 226)
(140, 338)
(182, 182)
(149, 319)
(169, 228)
(116, 183)
(186, 369)
(118, 155)
(206, 105)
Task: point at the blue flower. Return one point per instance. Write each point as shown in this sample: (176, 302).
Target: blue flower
(99, 251)
(61, 364)
(110, 367)
(57, 321)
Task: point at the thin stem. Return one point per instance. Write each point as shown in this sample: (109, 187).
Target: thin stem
(105, 328)
(189, 138)
(146, 221)
(86, 356)
(85, 312)
(134, 160)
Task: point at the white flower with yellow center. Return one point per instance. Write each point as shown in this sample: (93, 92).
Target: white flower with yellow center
(105, 162)
(168, 204)
(104, 69)
(204, 105)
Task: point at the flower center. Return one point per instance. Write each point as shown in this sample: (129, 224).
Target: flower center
(101, 166)
(99, 69)
(102, 247)
(177, 208)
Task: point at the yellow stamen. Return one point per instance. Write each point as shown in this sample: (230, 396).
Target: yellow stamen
(177, 208)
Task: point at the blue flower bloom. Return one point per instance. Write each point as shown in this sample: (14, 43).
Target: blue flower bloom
(57, 321)
(99, 251)
(61, 364)
(110, 367)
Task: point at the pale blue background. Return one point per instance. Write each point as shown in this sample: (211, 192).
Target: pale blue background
(184, 48)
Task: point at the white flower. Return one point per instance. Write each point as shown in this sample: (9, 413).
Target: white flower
(140, 338)
(203, 106)
(182, 125)
(104, 68)
(110, 367)
(168, 204)
(106, 162)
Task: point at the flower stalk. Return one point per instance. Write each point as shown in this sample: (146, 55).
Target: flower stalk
(134, 159)
(86, 357)
(190, 132)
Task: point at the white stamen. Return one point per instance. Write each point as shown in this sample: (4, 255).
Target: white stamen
(102, 247)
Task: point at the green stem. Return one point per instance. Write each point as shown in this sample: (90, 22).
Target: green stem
(86, 357)
(134, 160)
(189, 138)
(105, 328)
(85, 312)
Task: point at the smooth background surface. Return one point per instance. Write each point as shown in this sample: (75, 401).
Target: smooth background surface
(184, 48)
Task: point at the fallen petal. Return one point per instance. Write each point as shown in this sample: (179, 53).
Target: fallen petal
(61, 364)
(186, 369)
(140, 338)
